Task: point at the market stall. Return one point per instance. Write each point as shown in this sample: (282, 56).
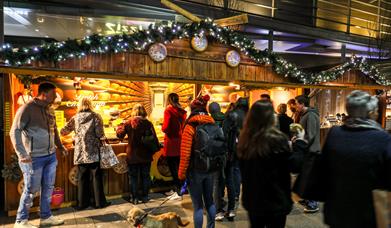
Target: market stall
(116, 77)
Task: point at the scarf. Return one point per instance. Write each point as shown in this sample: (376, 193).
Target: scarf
(362, 123)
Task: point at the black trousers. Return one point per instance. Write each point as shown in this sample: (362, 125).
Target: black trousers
(90, 185)
(173, 165)
(273, 221)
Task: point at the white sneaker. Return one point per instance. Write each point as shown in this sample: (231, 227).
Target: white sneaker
(169, 193)
(51, 221)
(175, 196)
(23, 224)
(219, 216)
(231, 214)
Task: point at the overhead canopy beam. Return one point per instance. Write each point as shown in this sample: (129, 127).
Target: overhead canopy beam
(235, 20)
(180, 10)
(228, 21)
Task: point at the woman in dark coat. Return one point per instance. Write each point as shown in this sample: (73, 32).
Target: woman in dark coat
(174, 119)
(264, 157)
(138, 155)
(356, 159)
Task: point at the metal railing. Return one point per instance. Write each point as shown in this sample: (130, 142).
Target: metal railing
(360, 17)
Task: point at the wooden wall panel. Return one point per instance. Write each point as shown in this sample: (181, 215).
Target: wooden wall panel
(260, 74)
(150, 66)
(184, 63)
(118, 62)
(221, 71)
(199, 69)
(162, 68)
(135, 63)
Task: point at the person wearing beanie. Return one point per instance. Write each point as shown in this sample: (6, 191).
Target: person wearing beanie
(224, 177)
(200, 184)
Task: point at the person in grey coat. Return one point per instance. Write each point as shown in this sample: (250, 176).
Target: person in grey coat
(310, 121)
(35, 139)
(88, 128)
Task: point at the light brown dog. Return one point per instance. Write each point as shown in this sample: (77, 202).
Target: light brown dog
(166, 220)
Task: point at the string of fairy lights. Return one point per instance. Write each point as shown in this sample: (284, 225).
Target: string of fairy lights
(166, 32)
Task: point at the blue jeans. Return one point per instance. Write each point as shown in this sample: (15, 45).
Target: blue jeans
(38, 176)
(222, 181)
(139, 177)
(201, 193)
(237, 178)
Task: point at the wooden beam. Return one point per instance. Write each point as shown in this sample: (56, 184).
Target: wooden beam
(180, 10)
(174, 78)
(235, 20)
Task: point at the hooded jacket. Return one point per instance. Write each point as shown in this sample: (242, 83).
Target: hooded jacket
(34, 131)
(136, 128)
(217, 115)
(187, 141)
(310, 121)
(88, 128)
(174, 119)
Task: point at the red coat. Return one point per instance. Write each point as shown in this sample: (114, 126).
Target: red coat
(174, 119)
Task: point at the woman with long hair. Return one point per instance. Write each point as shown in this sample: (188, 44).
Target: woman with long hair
(139, 156)
(174, 119)
(88, 128)
(264, 154)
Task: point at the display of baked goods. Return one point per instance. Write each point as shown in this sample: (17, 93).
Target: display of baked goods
(104, 96)
(114, 86)
(87, 93)
(103, 83)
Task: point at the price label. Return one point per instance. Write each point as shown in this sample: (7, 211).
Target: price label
(7, 119)
(60, 119)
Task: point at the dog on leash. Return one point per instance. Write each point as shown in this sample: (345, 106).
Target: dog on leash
(166, 220)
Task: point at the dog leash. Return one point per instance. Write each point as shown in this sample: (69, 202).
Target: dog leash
(139, 220)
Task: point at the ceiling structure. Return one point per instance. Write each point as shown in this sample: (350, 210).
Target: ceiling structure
(34, 21)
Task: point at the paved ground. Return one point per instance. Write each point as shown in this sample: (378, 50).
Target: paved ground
(114, 216)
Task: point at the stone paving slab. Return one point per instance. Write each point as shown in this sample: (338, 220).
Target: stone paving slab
(114, 216)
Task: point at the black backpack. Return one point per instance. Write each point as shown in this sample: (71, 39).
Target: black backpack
(209, 150)
(150, 141)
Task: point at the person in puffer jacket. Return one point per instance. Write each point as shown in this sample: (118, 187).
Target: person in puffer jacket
(200, 184)
(88, 128)
(174, 120)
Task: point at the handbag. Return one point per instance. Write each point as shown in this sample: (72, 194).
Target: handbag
(108, 159)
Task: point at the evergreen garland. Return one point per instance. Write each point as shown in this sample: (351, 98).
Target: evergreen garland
(165, 32)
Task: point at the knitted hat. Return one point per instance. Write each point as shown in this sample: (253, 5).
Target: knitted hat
(214, 108)
(199, 104)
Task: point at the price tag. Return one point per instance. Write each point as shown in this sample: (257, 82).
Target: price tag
(60, 118)
(7, 113)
